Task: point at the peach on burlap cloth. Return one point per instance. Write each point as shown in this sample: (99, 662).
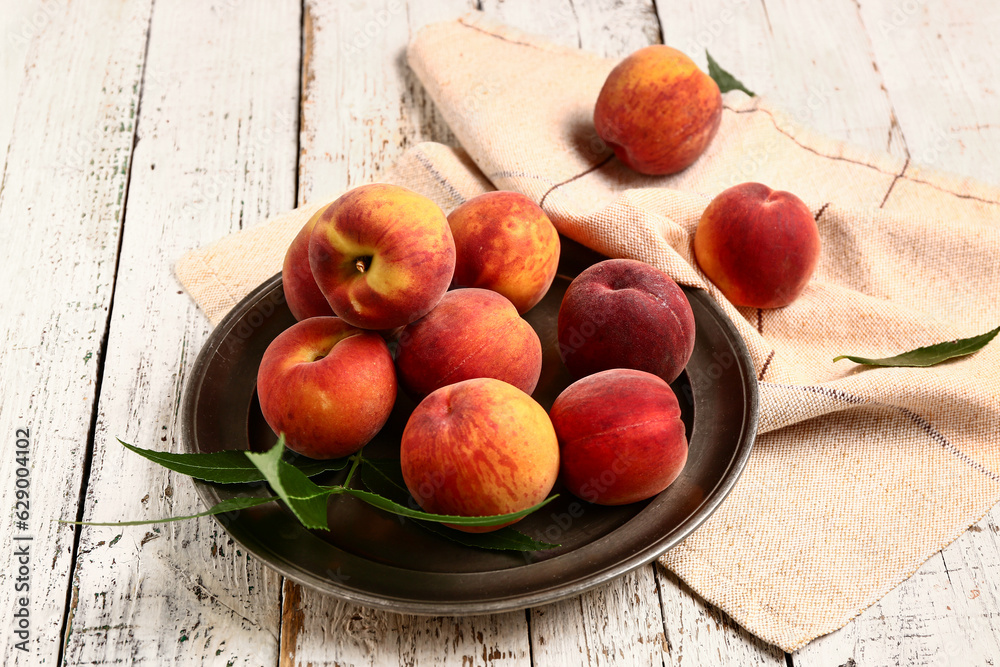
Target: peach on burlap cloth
(858, 475)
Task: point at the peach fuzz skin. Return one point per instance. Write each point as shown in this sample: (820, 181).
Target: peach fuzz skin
(328, 386)
(658, 111)
(471, 333)
(382, 255)
(477, 448)
(302, 294)
(622, 313)
(621, 437)
(759, 246)
(507, 244)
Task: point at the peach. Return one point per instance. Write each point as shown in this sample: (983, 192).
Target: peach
(759, 246)
(382, 255)
(621, 438)
(507, 244)
(328, 386)
(302, 294)
(621, 313)
(658, 111)
(477, 448)
(471, 333)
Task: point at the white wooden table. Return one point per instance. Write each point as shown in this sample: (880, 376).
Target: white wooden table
(133, 131)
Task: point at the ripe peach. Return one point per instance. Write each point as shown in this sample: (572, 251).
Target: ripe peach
(621, 438)
(471, 333)
(477, 448)
(505, 243)
(758, 245)
(302, 294)
(658, 111)
(382, 255)
(621, 313)
(328, 386)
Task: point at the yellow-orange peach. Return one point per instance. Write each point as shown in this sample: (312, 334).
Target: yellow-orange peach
(658, 111)
(505, 242)
(477, 448)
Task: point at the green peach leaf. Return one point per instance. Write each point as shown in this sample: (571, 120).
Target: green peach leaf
(384, 477)
(382, 503)
(930, 354)
(304, 498)
(724, 79)
(228, 467)
(229, 505)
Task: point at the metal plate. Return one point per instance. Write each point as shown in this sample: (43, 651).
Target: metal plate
(379, 560)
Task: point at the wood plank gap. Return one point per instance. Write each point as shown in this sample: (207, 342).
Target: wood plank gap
(102, 356)
(285, 582)
(531, 649)
(298, 119)
(659, 593)
(659, 30)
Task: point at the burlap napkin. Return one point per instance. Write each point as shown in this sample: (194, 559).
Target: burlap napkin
(858, 475)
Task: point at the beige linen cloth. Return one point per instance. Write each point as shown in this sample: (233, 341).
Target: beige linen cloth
(858, 475)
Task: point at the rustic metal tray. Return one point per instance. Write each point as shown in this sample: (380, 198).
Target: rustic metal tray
(379, 560)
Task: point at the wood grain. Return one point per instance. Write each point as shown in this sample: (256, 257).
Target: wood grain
(215, 151)
(824, 77)
(60, 219)
(20, 23)
(362, 107)
(91, 226)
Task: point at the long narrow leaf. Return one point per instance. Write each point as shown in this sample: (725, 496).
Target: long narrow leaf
(227, 467)
(395, 508)
(383, 476)
(230, 505)
(930, 354)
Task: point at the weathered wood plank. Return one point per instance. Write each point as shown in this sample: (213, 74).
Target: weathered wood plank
(698, 633)
(612, 28)
(216, 150)
(940, 73)
(813, 59)
(939, 67)
(20, 22)
(362, 107)
(60, 209)
(616, 624)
